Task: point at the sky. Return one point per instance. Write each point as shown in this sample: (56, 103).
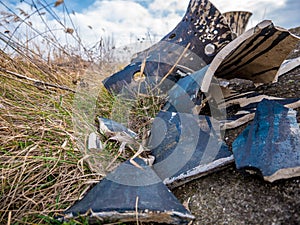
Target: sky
(136, 18)
(126, 22)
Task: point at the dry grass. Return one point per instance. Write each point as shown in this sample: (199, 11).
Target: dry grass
(48, 105)
(45, 165)
(42, 169)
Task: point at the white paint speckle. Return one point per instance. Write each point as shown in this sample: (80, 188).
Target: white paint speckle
(210, 49)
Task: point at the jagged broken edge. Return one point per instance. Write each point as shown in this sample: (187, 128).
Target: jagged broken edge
(190, 46)
(253, 55)
(244, 141)
(110, 201)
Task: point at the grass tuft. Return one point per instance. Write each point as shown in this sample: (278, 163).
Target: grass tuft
(40, 170)
(50, 96)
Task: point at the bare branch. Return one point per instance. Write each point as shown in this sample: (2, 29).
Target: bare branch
(36, 82)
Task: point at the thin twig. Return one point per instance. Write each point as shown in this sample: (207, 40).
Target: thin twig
(9, 218)
(36, 82)
(173, 67)
(23, 82)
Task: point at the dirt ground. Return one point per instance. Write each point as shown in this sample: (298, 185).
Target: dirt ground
(229, 197)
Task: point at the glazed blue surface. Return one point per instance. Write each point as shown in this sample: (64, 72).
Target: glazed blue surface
(190, 46)
(180, 142)
(118, 192)
(271, 142)
(183, 97)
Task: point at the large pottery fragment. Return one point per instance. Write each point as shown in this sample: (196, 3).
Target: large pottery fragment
(271, 144)
(190, 46)
(186, 147)
(255, 55)
(130, 193)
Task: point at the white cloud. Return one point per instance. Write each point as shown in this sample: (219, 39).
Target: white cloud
(126, 21)
(159, 6)
(129, 20)
(247, 4)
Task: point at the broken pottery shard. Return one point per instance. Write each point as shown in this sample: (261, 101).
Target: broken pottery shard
(94, 142)
(254, 55)
(190, 46)
(237, 21)
(288, 65)
(271, 144)
(241, 108)
(186, 147)
(111, 127)
(129, 194)
(184, 95)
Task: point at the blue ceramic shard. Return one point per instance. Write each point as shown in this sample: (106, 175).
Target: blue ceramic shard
(112, 127)
(186, 147)
(190, 46)
(184, 95)
(241, 108)
(271, 144)
(129, 194)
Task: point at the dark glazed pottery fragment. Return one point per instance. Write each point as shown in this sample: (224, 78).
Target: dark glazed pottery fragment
(271, 144)
(186, 147)
(130, 194)
(185, 96)
(241, 108)
(190, 46)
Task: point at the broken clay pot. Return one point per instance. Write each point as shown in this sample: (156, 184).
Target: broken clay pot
(255, 55)
(270, 145)
(190, 46)
(130, 194)
(186, 147)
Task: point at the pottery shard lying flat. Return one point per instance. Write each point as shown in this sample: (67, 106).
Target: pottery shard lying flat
(94, 142)
(186, 147)
(112, 127)
(129, 194)
(271, 144)
(254, 55)
(241, 108)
